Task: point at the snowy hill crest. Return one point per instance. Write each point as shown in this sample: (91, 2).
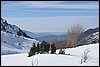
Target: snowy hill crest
(13, 39)
(13, 29)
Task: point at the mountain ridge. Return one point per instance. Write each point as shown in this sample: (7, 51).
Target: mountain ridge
(13, 29)
(14, 40)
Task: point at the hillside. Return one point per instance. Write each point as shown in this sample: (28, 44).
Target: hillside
(91, 31)
(55, 59)
(13, 39)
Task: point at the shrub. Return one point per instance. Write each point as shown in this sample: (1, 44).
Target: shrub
(61, 51)
(85, 56)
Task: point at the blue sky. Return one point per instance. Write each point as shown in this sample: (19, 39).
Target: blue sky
(50, 16)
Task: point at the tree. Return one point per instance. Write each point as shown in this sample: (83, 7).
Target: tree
(59, 43)
(32, 50)
(38, 48)
(44, 46)
(53, 48)
(75, 35)
(47, 47)
(85, 56)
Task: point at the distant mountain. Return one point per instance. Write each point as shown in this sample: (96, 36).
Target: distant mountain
(13, 39)
(35, 35)
(91, 31)
(93, 38)
(92, 35)
(47, 36)
(51, 37)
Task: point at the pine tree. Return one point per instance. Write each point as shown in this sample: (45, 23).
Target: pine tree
(53, 48)
(44, 46)
(38, 48)
(47, 46)
(32, 50)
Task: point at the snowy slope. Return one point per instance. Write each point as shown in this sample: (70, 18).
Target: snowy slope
(13, 39)
(12, 29)
(11, 44)
(54, 59)
(15, 44)
(93, 38)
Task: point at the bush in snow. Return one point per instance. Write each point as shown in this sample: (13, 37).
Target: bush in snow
(61, 51)
(85, 56)
(35, 62)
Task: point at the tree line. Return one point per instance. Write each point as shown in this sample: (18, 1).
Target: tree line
(41, 48)
(75, 37)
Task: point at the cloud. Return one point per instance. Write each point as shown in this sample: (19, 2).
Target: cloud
(61, 10)
(57, 24)
(49, 8)
(55, 4)
(47, 4)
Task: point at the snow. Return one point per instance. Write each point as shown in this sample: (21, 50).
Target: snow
(13, 39)
(55, 59)
(10, 43)
(93, 37)
(96, 35)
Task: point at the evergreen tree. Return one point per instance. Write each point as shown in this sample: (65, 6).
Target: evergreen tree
(32, 50)
(42, 45)
(46, 47)
(53, 48)
(38, 48)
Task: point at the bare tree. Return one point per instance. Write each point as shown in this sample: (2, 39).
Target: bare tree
(35, 62)
(75, 35)
(85, 57)
(60, 44)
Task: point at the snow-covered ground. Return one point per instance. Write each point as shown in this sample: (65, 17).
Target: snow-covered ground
(55, 59)
(12, 44)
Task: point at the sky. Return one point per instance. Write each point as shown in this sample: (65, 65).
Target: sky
(50, 16)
